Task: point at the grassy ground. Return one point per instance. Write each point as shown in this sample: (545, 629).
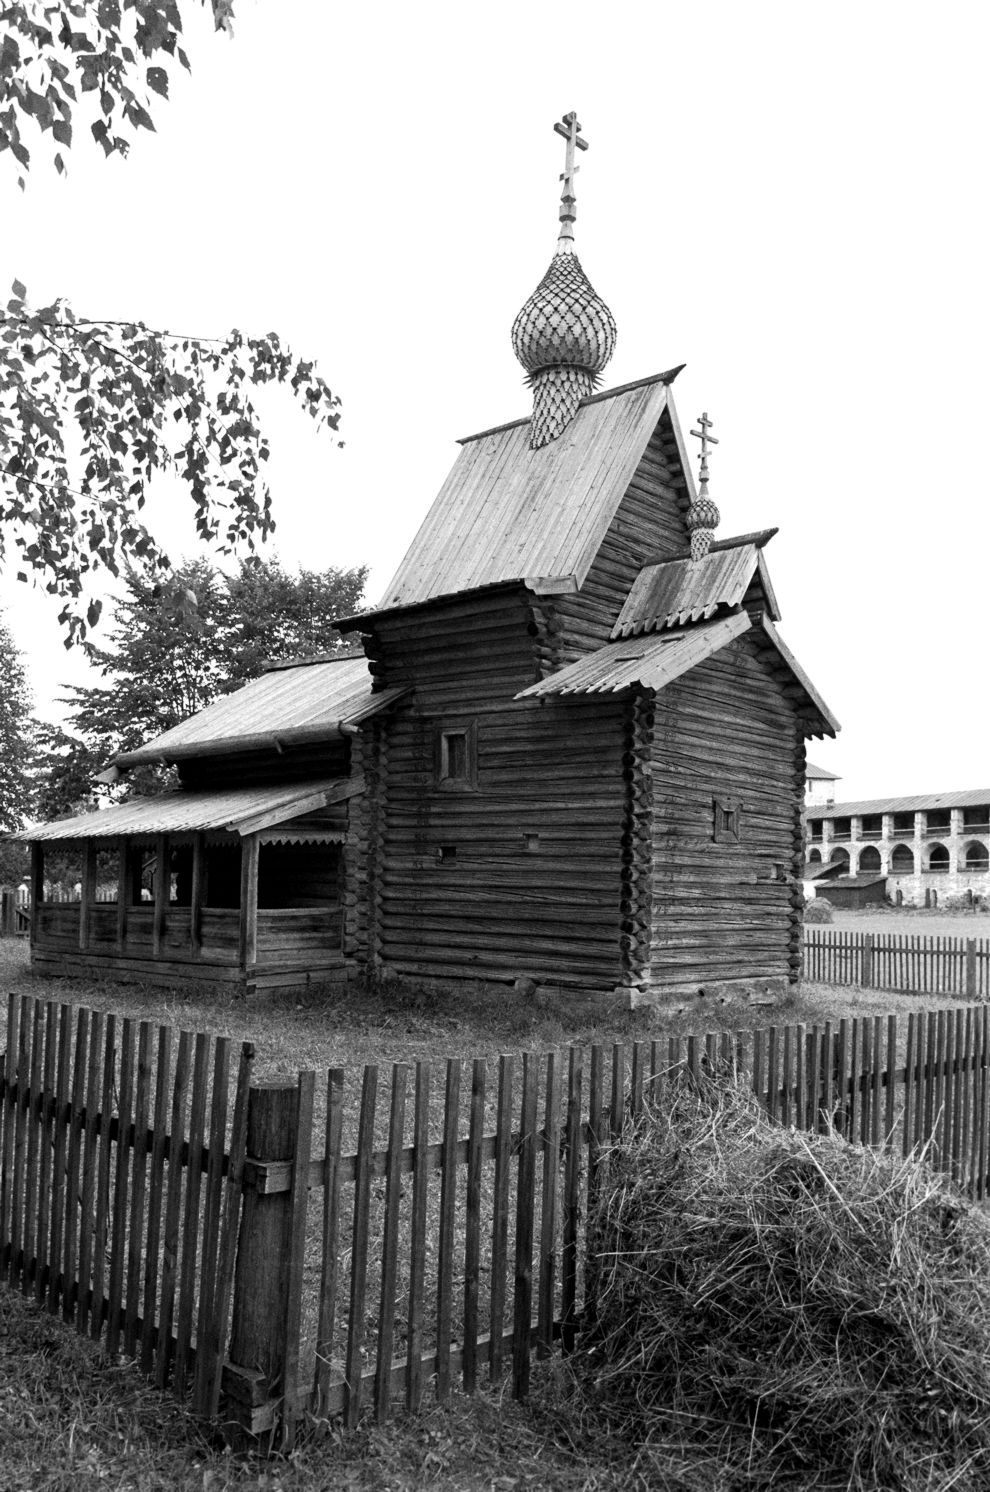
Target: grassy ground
(69, 1419)
(904, 922)
(72, 1422)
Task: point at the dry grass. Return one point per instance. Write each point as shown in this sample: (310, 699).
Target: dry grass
(786, 1309)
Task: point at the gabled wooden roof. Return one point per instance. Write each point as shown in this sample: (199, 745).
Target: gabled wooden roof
(509, 513)
(679, 591)
(309, 702)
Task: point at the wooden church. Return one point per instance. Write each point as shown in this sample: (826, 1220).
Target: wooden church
(571, 756)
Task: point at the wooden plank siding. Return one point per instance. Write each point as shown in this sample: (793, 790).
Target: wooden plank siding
(720, 913)
(520, 873)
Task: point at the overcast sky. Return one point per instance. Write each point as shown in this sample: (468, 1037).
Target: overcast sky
(789, 198)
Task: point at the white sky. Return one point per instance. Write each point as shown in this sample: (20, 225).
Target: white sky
(790, 198)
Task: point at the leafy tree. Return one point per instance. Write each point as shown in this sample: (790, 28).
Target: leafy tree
(15, 751)
(120, 403)
(166, 658)
(113, 50)
(92, 409)
(63, 769)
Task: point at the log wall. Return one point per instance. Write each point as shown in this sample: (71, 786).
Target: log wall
(726, 911)
(649, 523)
(520, 873)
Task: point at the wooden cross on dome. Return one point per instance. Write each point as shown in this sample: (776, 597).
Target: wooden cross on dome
(702, 435)
(569, 128)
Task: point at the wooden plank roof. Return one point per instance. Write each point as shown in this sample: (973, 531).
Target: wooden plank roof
(311, 702)
(675, 592)
(918, 802)
(508, 513)
(244, 810)
(651, 662)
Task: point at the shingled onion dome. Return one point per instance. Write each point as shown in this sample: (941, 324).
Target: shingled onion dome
(565, 333)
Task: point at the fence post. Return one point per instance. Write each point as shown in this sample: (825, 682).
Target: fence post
(866, 976)
(252, 1379)
(971, 968)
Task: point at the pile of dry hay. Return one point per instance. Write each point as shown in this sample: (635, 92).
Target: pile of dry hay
(790, 1308)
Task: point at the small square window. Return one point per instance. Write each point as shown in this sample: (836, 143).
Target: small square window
(457, 757)
(446, 854)
(726, 813)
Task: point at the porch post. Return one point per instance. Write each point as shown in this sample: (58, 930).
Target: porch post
(162, 887)
(37, 886)
(87, 892)
(249, 901)
(123, 894)
(196, 895)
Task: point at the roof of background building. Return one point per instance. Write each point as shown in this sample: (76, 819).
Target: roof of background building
(819, 774)
(977, 797)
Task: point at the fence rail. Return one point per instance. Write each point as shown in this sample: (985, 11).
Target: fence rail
(372, 1238)
(894, 961)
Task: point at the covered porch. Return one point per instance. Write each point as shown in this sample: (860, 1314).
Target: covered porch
(241, 888)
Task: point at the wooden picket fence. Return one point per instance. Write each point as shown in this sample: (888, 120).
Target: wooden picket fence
(378, 1238)
(895, 961)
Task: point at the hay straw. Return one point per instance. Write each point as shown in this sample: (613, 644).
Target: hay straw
(809, 1313)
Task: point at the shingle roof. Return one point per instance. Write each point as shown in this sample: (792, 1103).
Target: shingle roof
(306, 703)
(241, 811)
(676, 592)
(650, 661)
(507, 512)
(920, 801)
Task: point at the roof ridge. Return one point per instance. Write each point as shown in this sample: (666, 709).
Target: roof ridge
(667, 377)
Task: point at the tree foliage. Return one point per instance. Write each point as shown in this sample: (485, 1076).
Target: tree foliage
(15, 752)
(172, 650)
(118, 404)
(103, 59)
(91, 410)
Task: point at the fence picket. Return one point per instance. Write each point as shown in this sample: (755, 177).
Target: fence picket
(211, 1208)
(115, 1291)
(331, 1236)
(58, 1158)
(448, 1203)
(163, 1077)
(572, 1195)
(417, 1242)
(189, 1234)
(359, 1246)
(526, 1179)
(390, 1241)
(472, 1233)
(47, 1144)
(171, 1231)
(500, 1215)
(90, 1154)
(546, 1293)
(30, 1272)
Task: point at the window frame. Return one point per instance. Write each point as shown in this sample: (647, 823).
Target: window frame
(467, 781)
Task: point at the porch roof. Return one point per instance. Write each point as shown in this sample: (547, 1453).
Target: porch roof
(650, 660)
(245, 810)
(290, 705)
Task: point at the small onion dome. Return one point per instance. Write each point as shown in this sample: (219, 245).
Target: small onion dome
(702, 517)
(563, 336)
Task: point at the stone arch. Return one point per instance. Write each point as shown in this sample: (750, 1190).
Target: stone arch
(902, 860)
(869, 859)
(977, 856)
(815, 858)
(840, 855)
(938, 857)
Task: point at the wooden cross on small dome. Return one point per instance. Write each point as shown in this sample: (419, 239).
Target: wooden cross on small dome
(569, 128)
(702, 515)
